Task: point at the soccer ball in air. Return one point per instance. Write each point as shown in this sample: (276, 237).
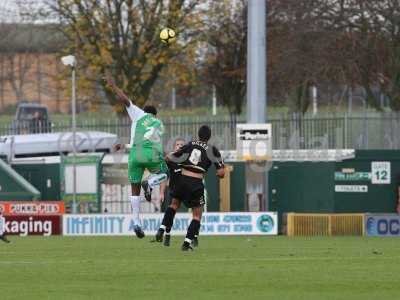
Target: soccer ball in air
(167, 35)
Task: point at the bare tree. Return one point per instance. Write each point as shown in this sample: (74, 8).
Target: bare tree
(331, 44)
(225, 61)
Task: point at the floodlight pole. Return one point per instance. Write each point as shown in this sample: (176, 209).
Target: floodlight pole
(256, 62)
(257, 184)
(74, 210)
(70, 61)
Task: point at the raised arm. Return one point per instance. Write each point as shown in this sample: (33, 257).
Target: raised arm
(134, 112)
(118, 92)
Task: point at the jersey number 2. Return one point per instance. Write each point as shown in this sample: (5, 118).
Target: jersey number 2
(195, 156)
(152, 134)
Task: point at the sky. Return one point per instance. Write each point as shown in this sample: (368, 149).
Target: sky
(9, 10)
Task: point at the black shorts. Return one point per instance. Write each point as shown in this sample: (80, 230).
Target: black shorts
(173, 179)
(189, 190)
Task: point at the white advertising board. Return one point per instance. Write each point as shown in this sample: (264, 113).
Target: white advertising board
(246, 223)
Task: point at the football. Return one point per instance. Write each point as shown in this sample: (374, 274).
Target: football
(167, 35)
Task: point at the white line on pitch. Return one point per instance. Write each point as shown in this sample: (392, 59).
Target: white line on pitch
(204, 261)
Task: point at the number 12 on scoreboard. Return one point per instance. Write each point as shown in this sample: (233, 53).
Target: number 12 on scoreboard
(380, 171)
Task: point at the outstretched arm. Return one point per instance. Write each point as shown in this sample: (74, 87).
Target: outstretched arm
(133, 111)
(118, 92)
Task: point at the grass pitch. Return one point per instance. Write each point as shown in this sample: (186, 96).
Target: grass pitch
(222, 268)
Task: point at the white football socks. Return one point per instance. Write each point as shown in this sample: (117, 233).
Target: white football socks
(135, 204)
(155, 179)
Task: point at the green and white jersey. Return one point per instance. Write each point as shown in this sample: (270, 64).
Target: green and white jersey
(146, 129)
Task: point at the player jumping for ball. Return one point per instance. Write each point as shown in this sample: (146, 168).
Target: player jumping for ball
(195, 158)
(146, 152)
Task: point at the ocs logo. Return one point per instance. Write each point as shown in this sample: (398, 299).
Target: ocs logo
(371, 226)
(265, 223)
(384, 226)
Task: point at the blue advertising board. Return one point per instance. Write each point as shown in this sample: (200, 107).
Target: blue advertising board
(382, 225)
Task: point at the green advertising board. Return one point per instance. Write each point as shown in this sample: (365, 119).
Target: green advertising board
(369, 182)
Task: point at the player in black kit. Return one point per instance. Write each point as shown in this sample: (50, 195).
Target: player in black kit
(195, 158)
(174, 173)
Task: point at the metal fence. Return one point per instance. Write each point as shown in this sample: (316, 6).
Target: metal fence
(328, 131)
